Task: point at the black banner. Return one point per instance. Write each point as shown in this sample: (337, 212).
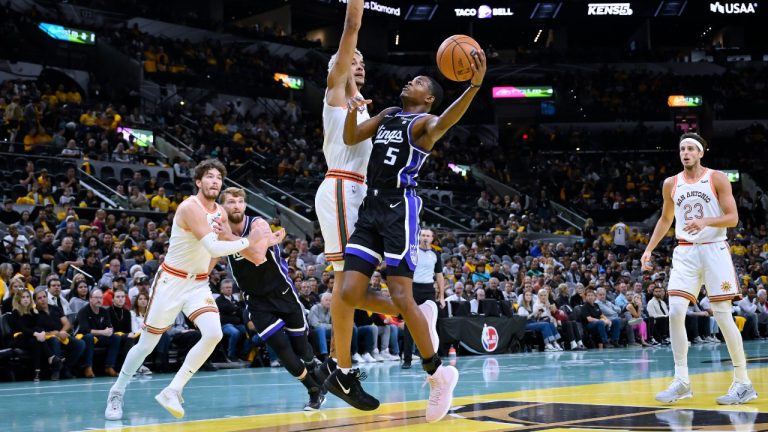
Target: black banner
(481, 335)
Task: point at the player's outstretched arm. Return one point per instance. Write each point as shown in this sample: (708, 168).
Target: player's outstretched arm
(337, 76)
(355, 133)
(663, 224)
(194, 219)
(434, 127)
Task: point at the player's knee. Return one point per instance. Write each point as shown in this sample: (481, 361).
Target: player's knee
(678, 307)
(350, 295)
(147, 343)
(212, 335)
(676, 313)
(400, 299)
(722, 307)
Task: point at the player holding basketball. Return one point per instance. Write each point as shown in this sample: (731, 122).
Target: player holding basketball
(701, 203)
(388, 228)
(273, 302)
(181, 285)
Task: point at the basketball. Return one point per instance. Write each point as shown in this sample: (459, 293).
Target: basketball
(454, 57)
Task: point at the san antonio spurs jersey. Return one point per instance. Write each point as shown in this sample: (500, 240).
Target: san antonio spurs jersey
(696, 201)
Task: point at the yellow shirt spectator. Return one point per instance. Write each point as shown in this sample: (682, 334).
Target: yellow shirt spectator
(43, 138)
(150, 61)
(738, 249)
(89, 118)
(61, 95)
(160, 202)
(220, 128)
(29, 142)
(50, 99)
(74, 97)
(44, 180)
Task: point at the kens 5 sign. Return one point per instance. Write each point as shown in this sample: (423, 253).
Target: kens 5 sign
(599, 9)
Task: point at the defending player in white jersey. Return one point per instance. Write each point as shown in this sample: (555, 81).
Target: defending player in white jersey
(343, 189)
(181, 285)
(701, 203)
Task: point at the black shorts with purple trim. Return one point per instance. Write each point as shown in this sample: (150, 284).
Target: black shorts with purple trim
(387, 228)
(281, 311)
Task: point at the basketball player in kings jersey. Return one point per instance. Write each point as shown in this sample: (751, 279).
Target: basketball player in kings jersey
(700, 202)
(181, 285)
(387, 230)
(273, 302)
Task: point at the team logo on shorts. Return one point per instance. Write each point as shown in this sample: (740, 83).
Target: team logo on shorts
(413, 250)
(725, 286)
(209, 301)
(490, 338)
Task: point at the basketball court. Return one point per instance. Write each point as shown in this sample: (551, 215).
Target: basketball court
(565, 391)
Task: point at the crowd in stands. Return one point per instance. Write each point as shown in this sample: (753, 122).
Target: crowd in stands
(609, 94)
(88, 281)
(228, 67)
(588, 172)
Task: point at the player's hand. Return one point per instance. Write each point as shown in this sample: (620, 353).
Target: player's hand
(260, 231)
(221, 228)
(645, 261)
(277, 237)
(479, 68)
(356, 102)
(694, 226)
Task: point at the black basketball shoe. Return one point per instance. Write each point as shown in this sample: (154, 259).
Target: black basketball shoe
(316, 400)
(323, 371)
(347, 387)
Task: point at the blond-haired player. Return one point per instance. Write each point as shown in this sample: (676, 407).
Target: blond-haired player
(181, 285)
(700, 202)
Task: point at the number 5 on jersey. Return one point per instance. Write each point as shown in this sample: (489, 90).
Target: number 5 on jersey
(391, 156)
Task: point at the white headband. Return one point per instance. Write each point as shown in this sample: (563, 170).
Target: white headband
(692, 141)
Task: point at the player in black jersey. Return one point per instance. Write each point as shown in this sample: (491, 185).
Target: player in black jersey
(272, 300)
(388, 228)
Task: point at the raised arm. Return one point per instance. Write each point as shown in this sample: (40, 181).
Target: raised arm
(429, 131)
(337, 76)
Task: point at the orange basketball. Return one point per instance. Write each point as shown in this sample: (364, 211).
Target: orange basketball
(454, 57)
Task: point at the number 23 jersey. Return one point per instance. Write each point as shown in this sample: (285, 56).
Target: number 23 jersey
(696, 200)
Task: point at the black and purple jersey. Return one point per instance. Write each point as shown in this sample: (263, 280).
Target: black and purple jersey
(395, 162)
